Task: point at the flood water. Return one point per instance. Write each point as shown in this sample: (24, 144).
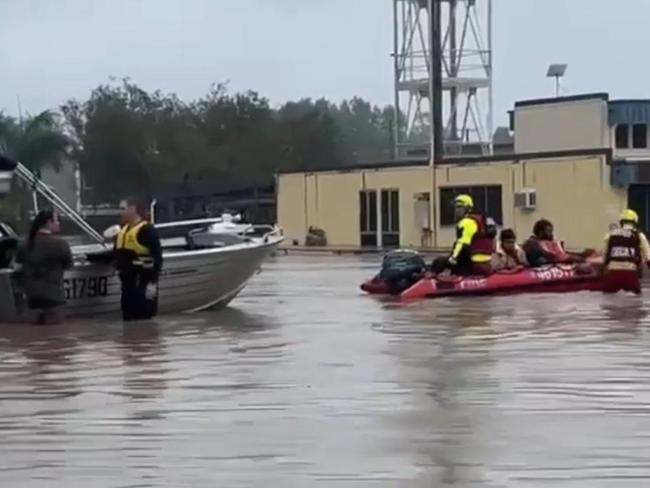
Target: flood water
(306, 382)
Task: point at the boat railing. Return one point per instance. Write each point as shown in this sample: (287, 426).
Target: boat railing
(26, 176)
(275, 232)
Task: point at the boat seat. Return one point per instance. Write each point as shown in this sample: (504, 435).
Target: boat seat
(8, 250)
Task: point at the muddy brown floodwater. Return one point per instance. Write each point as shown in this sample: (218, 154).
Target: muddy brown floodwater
(306, 382)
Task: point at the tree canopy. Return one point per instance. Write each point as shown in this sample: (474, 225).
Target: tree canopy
(38, 141)
(127, 140)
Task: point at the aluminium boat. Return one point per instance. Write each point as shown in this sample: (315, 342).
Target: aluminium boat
(195, 277)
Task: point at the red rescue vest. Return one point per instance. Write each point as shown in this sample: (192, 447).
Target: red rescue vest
(481, 243)
(554, 249)
(624, 246)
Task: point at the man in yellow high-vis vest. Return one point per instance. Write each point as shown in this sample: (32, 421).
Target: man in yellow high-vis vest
(139, 260)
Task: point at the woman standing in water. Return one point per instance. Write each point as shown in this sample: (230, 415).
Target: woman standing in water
(45, 258)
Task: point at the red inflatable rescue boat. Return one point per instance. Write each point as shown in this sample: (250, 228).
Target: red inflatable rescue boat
(559, 278)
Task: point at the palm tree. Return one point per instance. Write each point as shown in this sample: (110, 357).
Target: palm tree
(38, 142)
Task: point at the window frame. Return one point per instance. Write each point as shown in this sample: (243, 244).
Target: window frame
(482, 202)
(368, 226)
(619, 137)
(643, 134)
(390, 227)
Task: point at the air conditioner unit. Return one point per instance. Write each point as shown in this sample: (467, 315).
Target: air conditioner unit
(526, 199)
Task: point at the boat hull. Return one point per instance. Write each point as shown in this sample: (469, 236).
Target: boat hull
(191, 281)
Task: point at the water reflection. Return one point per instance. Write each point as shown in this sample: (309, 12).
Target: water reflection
(306, 382)
(144, 360)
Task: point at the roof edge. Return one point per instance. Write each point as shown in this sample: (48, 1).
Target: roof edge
(572, 98)
(459, 161)
(629, 100)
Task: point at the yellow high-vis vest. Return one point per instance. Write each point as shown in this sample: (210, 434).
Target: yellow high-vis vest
(127, 239)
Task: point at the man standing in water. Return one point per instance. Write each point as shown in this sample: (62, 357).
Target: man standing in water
(139, 260)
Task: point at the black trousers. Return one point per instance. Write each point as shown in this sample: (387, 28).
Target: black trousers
(135, 304)
(442, 263)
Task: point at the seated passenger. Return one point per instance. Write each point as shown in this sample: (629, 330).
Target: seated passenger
(509, 257)
(472, 251)
(542, 248)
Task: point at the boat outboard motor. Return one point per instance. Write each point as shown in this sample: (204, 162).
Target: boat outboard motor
(401, 268)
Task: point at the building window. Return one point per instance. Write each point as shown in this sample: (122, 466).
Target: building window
(390, 218)
(368, 217)
(639, 136)
(487, 201)
(622, 136)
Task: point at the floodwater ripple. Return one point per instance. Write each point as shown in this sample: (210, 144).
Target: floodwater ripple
(306, 382)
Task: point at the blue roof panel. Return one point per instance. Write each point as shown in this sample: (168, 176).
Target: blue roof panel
(629, 112)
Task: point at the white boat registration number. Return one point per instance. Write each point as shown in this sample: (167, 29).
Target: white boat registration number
(554, 274)
(79, 288)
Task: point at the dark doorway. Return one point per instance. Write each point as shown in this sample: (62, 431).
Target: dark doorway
(390, 218)
(638, 199)
(368, 218)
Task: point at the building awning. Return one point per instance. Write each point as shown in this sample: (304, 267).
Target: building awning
(629, 112)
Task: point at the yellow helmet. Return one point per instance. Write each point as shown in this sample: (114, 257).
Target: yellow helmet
(464, 201)
(629, 215)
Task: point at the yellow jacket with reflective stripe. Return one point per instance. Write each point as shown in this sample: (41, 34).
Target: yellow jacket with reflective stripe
(127, 240)
(466, 230)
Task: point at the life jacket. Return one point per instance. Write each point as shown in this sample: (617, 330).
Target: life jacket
(511, 260)
(554, 249)
(624, 246)
(127, 240)
(482, 245)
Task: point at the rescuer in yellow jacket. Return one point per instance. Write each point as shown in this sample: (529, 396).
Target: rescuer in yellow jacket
(139, 261)
(474, 246)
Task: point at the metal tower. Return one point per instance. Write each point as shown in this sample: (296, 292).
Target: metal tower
(462, 35)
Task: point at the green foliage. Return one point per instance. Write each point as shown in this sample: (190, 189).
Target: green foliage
(13, 209)
(129, 141)
(38, 141)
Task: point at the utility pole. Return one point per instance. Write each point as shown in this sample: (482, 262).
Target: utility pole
(435, 82)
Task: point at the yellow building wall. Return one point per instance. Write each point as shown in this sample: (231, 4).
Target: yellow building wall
(291, 205)
(409, 182)
(572, 193)
(330, 201)
(337, 206)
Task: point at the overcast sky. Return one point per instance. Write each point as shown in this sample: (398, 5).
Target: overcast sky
(51, 50)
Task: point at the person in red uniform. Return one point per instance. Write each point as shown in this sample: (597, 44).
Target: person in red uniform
(626, 251)
(472, 251)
